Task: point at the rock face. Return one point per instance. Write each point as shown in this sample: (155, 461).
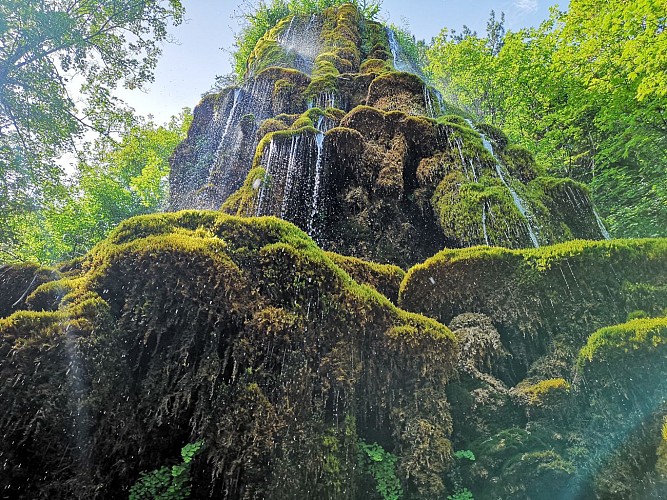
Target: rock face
(303, 373)
(238, 332)
(328, 134)
(553, 401)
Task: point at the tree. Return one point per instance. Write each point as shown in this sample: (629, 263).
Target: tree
(48, 48)
(121, 179)
(586, 92)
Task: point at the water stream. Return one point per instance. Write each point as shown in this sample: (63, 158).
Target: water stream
(603, 229)
(519, 202)
(319, 141)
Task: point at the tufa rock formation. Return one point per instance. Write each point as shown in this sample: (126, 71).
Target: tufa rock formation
(305, 373)
(327, 133)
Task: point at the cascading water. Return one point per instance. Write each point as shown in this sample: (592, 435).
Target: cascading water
(519, 203)
(601, 226)
(397, 53)
(319, 141)
(263, 185)
(290, 176)
(303, 40)
(428, 103)
(486, 235)
(230, 119)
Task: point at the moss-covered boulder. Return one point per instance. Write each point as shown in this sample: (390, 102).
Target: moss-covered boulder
(535, 296)
(18, 282)
(238, 332)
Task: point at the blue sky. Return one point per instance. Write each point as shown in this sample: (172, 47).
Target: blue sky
(188, 67)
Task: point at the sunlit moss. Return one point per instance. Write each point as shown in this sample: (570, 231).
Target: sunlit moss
(618, 344)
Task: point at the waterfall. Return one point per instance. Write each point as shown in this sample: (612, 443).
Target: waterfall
(603, 229)
(519, 203)
(303, 40)
(237, 93)
(290, 174)
(428, 103)
(319, 141)
(486, 235)
(441, 102)
(396, 52)
(263, 186)
(221, 144)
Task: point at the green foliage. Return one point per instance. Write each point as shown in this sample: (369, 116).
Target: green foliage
(257, 18)
(583, 93)
(467, 454)
(43, 46)
(121, 179)
(381, 465)
(167, 483)
(464, 494)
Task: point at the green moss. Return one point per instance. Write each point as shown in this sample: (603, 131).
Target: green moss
(398, 91)
(376, 66)
(268, 52)
(546, 393)
(48, 296)
(520, 163)
(567, 204)
(242, 202)
(478, 213)
(453, 119)
(536, 295)
(271, 125)
(340, 54)
(18, 281)
(384, 278)
(619, 344)
(230, 304)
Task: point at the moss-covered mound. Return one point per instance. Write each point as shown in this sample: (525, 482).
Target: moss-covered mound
(238, 332)
(534, 296)
(17, 282)
(552, 395)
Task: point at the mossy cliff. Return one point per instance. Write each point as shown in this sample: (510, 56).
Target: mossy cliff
(238, 332)
(391, 178)
(288, 332)
(555, 393)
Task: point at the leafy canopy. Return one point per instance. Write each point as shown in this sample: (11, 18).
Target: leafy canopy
(119, 180)
(59, 62)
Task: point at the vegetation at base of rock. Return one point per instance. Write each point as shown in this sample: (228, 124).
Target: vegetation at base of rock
(381, 465)
(167, 483)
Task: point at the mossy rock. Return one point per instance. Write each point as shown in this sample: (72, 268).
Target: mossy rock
(384, 278)
(536, 295)
(271, 125)
(181, 316)
(478, 213)
(18, 281)
(398, 91)
(375, 66)
(520, 163)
